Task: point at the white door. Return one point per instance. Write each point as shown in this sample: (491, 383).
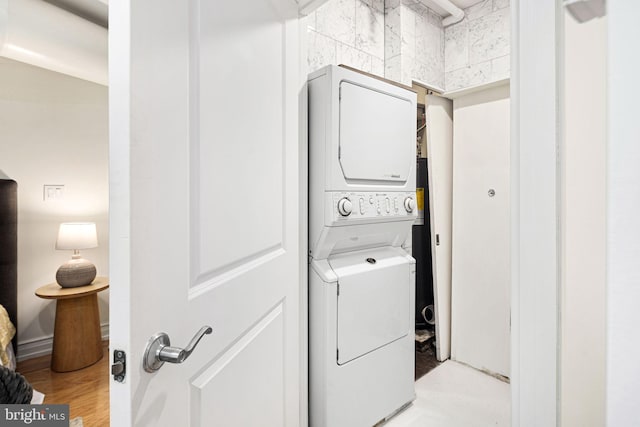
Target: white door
(205, 210)
(440, 162)
(481, 298)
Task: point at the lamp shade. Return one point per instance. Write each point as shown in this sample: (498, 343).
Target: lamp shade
(77, 235)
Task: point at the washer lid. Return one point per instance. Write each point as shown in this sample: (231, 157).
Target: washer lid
(374, 301)
(377, 133)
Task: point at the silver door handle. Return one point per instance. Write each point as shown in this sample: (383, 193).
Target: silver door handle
(159, 350)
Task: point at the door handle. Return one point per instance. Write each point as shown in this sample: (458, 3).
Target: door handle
(159, 350)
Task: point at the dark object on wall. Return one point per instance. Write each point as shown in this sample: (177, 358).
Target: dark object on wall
(9, 249)
(421, 247)
(14, 388)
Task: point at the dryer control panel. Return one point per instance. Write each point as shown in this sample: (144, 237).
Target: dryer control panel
(371, 205)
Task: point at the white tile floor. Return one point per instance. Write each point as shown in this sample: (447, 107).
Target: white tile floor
(455, 395)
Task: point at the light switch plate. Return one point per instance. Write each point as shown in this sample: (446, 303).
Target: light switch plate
(52, 192)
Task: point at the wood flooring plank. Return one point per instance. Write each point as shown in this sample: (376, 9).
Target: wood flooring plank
(86, 390)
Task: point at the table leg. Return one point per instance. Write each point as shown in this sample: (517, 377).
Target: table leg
(77, 341)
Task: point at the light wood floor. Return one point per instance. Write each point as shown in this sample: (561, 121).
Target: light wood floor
(86, 390)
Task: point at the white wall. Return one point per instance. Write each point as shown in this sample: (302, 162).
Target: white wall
(477, 48)
(623, 205)
(583, 320)
(53, 131)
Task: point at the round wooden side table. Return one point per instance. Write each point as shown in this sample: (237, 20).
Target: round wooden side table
(77, 340)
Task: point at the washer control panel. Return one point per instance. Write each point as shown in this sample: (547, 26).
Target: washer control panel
(347, 206)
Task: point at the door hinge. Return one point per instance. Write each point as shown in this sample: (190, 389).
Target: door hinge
(119, 367)
(338, 285)
(437, 240)
(337, 354)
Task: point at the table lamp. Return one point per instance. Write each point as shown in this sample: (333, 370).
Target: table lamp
(75, 236)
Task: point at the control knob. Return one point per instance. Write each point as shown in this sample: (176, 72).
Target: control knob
(345, 207)
(409, 204)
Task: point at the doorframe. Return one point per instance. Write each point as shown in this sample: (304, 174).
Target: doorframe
(303, 167)
(535, 211)
(119, 201)
(534, 216)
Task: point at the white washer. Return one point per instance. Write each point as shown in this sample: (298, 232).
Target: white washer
(361, 282)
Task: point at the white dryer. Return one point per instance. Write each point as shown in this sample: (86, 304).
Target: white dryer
(361, 282)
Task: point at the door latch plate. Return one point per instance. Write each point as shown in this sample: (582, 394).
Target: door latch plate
(119, 367)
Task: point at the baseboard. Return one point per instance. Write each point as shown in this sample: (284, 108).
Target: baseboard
(35, 348)
(43, 346)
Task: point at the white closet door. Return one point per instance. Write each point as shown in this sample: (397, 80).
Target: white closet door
(480, 252)
(440, 162)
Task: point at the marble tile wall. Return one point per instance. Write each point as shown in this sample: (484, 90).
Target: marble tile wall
(414, 43)
(477, 48)
(349, 32)
(404, 40)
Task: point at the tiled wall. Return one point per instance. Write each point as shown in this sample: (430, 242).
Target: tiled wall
(404, 40)
(349, 32)
(477, 48)
(414, 43)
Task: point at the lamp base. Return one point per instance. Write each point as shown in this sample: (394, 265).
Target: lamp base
(76, 272)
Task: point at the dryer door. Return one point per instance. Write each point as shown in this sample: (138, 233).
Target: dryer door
(377, 135)
(374, 300)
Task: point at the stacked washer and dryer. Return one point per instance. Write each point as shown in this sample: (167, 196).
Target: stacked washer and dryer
(362, 176)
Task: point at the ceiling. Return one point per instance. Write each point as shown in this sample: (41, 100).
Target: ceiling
(462, 4)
